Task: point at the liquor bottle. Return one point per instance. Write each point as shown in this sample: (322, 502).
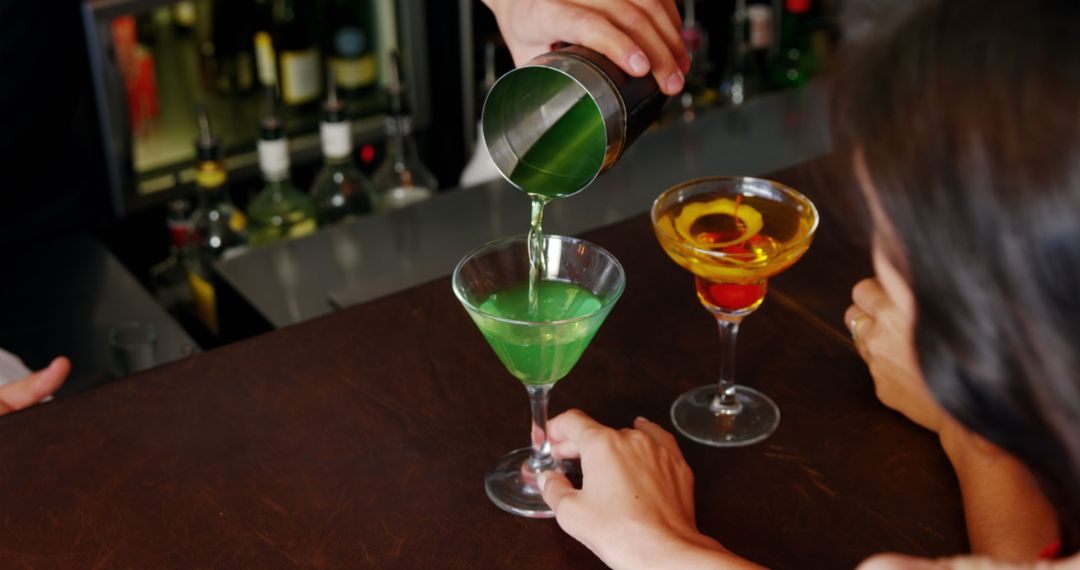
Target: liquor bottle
(279, 211)
(231, 31)
(696, 93)
(755, 52)
(734, 86)
(351, 47)
(401, 179)
(217, 226)
(299, 61)
(263, 42)
(796, 63)
(169, 276)
(480, 168)
(340, 190)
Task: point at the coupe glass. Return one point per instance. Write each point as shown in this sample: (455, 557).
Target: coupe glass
(732, 233)
(579, 284)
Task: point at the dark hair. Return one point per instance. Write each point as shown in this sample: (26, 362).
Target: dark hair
(967, 115)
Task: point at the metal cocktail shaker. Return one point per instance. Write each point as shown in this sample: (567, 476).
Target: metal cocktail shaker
(555, 123)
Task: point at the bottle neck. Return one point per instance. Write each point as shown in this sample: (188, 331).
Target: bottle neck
(399, 145)
(210, 180)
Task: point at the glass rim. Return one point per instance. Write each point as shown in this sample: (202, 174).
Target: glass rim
(605, 304)
(788, 190)
(530, 65)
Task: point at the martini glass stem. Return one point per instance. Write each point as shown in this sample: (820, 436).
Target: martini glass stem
(541, 459)
(725, 402)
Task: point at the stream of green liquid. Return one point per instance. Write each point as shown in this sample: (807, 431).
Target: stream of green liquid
(537, 255)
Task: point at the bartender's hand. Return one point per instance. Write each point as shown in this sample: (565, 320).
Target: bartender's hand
(636, 505)
(30, 390)
(640, 36)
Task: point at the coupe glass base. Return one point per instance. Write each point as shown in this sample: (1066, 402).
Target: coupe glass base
(757, 420)
(512, 487)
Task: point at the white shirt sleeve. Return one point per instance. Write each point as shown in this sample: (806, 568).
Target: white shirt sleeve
(11, 368)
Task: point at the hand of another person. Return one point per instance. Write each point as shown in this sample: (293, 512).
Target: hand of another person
(30, 390)
(640, 36)
(636, 505)
(898, 562)
(883, 334)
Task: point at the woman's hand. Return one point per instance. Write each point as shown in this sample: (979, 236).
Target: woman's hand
(999, 494)
(636, 505)
(30, 390)
(882, 329)
(640, 36)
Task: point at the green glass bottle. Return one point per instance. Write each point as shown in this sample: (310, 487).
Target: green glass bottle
(340, 191)
(795, 63)
(280, 211)
(217, 226)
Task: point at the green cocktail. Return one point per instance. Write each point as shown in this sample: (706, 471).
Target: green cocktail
(577, 287)
(545, 353)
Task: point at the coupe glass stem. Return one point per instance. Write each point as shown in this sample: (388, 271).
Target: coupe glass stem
(541, 459)
(725, 402)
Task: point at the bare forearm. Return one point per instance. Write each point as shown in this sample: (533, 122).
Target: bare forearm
(688, 552)
(1007, 516)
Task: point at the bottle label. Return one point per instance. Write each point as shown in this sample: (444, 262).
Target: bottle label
(336, 139)
(274, 158)
(353, 69)
(300, 229)
(797, 6)
(264, 59)
(209, 175)
(237, 221)
(179, 233)
(354, 73)
(760, 17)
(300, 79)
(204, 299)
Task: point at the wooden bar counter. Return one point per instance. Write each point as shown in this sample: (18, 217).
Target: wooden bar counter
(361, 438)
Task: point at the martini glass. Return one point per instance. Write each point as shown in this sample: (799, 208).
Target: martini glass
(732, 233)
(577, 287)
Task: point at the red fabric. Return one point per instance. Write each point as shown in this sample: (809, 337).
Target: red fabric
(1051, 551)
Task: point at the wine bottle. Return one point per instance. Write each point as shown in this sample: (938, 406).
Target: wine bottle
(299, 61)
(217, 226)
(231, 30)
(279, 211)
(340, 191)
(401, 179)
(351, 47)
(796, 63)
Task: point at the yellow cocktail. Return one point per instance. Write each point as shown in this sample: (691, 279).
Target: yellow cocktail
(732, 233)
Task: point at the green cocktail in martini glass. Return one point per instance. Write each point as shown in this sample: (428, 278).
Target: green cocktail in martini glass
(578, 287)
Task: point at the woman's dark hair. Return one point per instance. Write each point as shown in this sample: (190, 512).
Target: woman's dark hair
(967, 117)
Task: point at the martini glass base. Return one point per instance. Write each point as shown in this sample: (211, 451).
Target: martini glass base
(512, 487)
(757, 418)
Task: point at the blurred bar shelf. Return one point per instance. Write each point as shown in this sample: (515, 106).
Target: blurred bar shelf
(156, 163)
(368, 258)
